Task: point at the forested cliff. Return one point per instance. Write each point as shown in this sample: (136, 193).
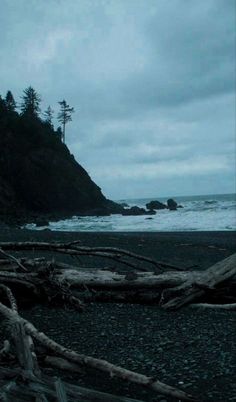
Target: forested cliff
(37, 172)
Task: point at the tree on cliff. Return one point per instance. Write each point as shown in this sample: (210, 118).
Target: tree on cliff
(48, 114)
(2, 107)
(64, 116)
(30, 104)
(10, 102)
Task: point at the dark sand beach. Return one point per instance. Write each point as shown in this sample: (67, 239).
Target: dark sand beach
(191, 348)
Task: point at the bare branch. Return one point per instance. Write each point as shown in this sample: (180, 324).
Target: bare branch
(13, 258)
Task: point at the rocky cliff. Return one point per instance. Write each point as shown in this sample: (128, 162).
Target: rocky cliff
(39, 175)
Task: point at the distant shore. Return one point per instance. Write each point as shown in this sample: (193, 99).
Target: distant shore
(191, 348)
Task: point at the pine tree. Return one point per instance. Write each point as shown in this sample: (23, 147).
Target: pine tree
(3, 108)
(10, 102)
(48, 114)
(30, 103)
(64, 116)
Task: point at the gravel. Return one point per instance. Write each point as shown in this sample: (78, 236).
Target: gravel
(192, 349)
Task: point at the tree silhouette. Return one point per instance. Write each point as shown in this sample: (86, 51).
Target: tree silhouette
(30, 103)
(64, 116)
(3, 108)
(48, 114)
(10, 102)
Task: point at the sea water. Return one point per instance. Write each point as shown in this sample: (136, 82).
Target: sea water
(206, 212)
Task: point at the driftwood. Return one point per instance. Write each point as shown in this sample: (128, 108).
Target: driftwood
(141, 280)
(23, 333)
(218, 274)
(231, 306)
(45, 389)
(73, 249)
(73, 285)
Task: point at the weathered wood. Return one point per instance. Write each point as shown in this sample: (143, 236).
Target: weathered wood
(74, 249)
(10, 297)
(24, 347)
(105, 279)
(65, 281)
(231, 306)
(193, 289)
(102, 365)
(62, 364)
(13, 258)
(5, 350)
(46, 387)
(60, 391)
(54, 279)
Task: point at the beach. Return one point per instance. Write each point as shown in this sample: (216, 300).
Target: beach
(192, 348)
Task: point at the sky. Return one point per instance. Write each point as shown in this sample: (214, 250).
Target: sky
(152, 83)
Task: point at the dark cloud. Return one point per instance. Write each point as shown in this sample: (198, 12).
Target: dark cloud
(152, 83)
(192, 54)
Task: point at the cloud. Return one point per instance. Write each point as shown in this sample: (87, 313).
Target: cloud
(152, 84)
(46, 49)
(164, 169)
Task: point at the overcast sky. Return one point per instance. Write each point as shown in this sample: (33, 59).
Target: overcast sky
(152, 83)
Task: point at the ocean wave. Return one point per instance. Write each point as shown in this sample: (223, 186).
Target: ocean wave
(197, 215)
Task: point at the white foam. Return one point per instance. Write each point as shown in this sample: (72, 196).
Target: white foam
(196, 215)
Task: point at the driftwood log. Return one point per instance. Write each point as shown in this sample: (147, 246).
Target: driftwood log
(142, 280)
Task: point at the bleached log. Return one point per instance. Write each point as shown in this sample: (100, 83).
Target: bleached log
(99, 278)
(60, 391)
(193, 289)
(73, 279)
(227, 306)
(179, 288)
(62, 364)
(24, 347)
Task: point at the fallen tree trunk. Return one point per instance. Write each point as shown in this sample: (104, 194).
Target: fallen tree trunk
(173, 289)
(217, 275)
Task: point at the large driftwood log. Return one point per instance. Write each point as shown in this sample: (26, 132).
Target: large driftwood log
(218, 274)
(54, 279)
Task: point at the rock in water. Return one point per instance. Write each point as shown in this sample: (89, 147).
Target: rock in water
(137, 211)
(172, 204)
(155, 205)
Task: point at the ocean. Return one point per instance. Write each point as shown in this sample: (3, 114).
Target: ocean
(199, 213)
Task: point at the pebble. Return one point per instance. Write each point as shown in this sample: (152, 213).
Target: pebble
(136, 345)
